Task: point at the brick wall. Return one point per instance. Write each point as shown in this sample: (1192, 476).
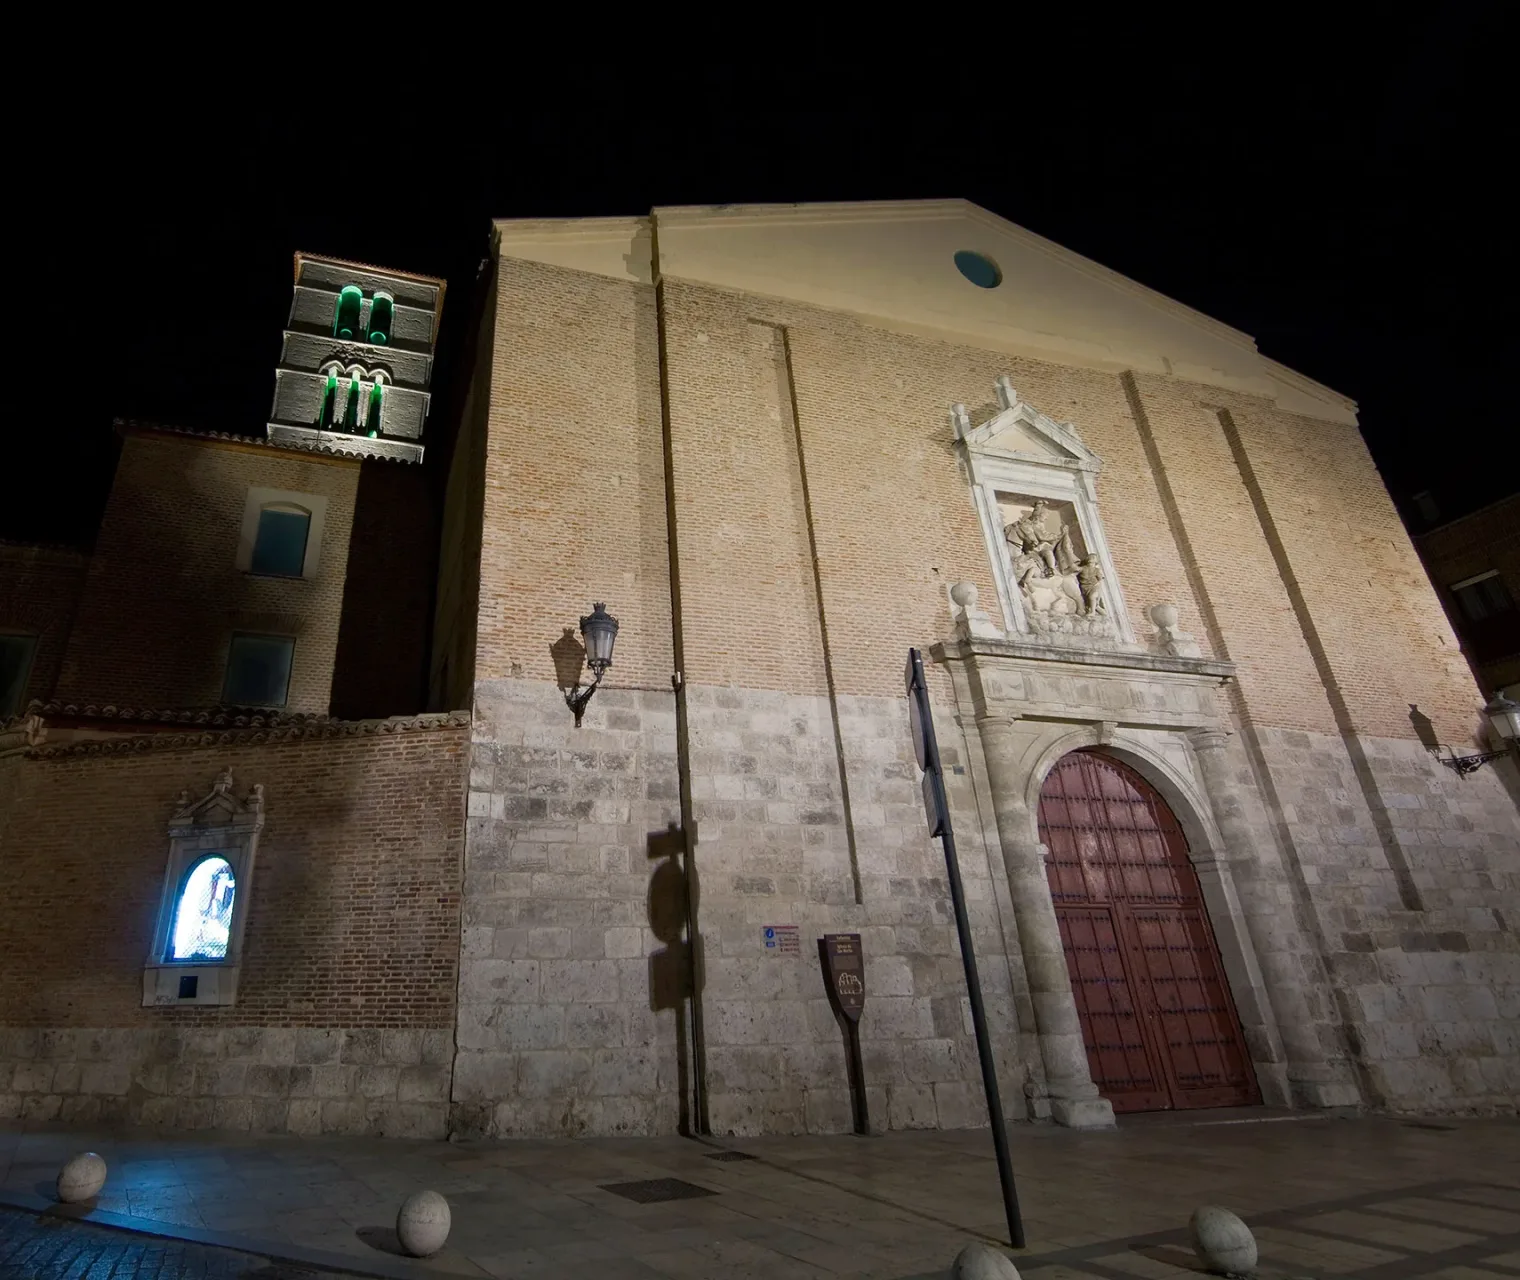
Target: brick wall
(380, 665)
(451, 655)
(574, 489)
(39, 591)
(349, 955)
(163, 594)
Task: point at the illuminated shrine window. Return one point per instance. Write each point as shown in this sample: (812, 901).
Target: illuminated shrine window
(196, 953)
(382, 312)
(346, 318)
(203, 913)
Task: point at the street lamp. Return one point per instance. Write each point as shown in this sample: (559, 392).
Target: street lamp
(1504, 723)
(599, 630)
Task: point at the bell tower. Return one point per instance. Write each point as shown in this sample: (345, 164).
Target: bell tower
(357, 360)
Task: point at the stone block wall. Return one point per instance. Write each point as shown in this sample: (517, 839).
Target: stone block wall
(559, 1030)
(346, 995)
(306, 1080)
(569, 994)
(163, 594)
(1430, 995)
(776, 842)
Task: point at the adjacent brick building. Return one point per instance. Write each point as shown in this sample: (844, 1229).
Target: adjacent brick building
(1474, 561)
(1175, 635)
(234, 677)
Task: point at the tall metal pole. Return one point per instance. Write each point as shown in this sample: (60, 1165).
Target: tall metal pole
(939, 825)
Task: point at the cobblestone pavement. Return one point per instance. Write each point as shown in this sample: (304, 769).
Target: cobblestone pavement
(40, 1247)
(1363, 1199)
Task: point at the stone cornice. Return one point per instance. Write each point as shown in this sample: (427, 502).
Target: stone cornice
(132, 731)
(56, 552)
(1072, 656)
(132, 427)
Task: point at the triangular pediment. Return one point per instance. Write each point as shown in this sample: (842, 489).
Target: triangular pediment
(219, 807)
(897, 265)
(1021, 432)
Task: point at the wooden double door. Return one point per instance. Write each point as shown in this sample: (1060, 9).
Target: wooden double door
(1160, 1028)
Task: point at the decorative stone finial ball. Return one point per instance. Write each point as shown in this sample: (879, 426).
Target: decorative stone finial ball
(964, 594)
(81, 1178)
(1164, 616)
(1223, 1243)
(423, 1224)
(978, 1261)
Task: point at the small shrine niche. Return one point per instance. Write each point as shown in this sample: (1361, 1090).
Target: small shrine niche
(203, 907)
(1033, 482)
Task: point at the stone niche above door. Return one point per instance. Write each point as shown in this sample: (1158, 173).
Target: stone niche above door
(1034, 485)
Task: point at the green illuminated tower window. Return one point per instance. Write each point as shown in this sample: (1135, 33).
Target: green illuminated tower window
(351, 409)
(382, 312)
(372, 422)
(329, 402)
(350, 303)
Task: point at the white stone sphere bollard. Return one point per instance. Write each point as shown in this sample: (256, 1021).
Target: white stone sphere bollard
(978, 1261)
(423, 1224)
(81, 1178)
(1223, 1243)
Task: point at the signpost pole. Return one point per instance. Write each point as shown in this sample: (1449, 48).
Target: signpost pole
(844, 976)
(862, 1115)
(939, 825)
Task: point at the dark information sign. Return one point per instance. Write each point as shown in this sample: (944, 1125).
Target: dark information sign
(844, 969)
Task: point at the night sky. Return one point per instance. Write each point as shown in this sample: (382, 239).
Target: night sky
(1343, 200)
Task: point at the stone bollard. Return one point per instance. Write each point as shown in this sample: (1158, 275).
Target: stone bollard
(978, 1261)
(1223, 1243)
(423, 1224)
(81, 1178)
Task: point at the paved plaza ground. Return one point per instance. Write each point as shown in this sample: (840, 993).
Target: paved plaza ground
(1359, 1199)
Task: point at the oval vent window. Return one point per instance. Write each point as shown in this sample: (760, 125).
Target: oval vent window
(978, 268)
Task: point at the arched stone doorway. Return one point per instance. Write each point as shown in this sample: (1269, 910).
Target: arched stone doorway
(1157, 1019)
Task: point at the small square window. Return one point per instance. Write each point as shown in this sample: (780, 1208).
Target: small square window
(258, 670)
(1483, 597)
(279, 548)
(15, 667)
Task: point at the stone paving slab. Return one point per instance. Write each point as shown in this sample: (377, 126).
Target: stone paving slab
(1367, 1199)
(49, 1247)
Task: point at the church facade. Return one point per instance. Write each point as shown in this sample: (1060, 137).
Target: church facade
(1174, 634)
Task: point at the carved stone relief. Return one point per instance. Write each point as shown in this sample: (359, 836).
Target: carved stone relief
(1034, 486)
(1060, 582)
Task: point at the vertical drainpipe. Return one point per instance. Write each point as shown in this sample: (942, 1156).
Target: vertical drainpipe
(695, 1038)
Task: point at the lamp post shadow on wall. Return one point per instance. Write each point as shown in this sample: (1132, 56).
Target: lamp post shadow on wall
(673, 981)
(1502, 718)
